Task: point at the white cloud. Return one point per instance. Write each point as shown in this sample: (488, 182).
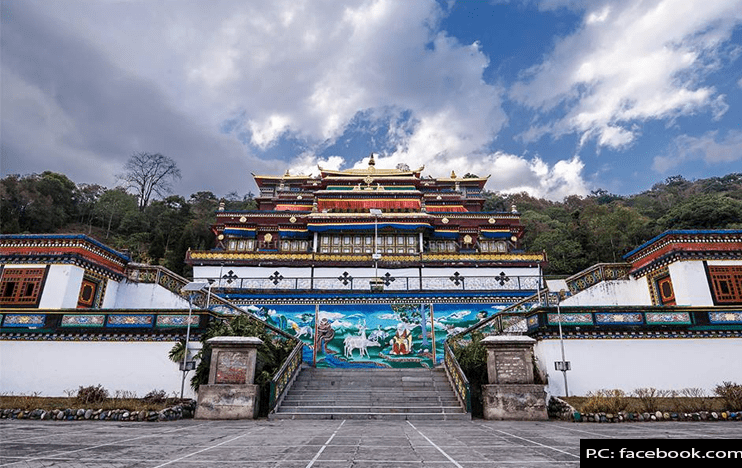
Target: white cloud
(630, 62)
(708, 148)
(305, 69)
(308, 164)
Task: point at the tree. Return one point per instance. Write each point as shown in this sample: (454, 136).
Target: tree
(112, 207)
(149, 174)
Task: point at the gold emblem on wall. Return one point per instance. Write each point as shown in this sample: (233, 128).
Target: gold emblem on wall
(444, 220)
(243, 219)
(292, 219)
(268, 237)
(467, 239)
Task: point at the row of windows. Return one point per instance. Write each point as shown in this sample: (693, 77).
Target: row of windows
(358, 244)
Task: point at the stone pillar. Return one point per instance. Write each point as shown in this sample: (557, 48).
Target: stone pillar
(230, 393)
(511, 393)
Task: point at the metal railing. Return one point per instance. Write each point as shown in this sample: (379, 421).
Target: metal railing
(347, 282)
(457, 377)
(285, 375)
(511, 319)
(205, 299)
(597, 273)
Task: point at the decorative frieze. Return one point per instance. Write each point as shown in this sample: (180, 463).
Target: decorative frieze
(177, 320)
(571, 318)
(725, 317)
(83, 320)
(622, 318)
(131, 320)
(658, 318)
(24, 320)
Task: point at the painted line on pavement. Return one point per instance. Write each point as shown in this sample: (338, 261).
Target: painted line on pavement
(322, 449)
(533, 442)
(205, 449)
(65, 452)
(434, 445)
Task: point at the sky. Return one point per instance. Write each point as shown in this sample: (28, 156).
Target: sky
(551, 97)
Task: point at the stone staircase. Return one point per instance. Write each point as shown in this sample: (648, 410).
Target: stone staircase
(371, 394)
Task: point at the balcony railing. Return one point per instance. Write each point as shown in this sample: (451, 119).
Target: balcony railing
(348, 282)
(596, 274)
(217, 256)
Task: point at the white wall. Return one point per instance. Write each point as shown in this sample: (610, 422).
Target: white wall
(690, 284)
(51, 367)
(612, 292)
(147, 296)
(627, 364)
(62, 287)
(111, 296)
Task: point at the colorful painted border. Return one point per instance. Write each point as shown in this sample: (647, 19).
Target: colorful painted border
(24, 320)
(176, 320)
(619, 318)
(675, 318)
(130, 320)
(83, 320)
(571, 318)
(725, 317)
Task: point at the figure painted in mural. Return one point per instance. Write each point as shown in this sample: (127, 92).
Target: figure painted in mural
(325, 334)
(402, 341)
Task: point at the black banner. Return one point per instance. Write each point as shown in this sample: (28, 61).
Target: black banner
(647, 452)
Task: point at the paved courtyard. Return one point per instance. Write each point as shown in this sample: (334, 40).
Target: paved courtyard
(330, 443)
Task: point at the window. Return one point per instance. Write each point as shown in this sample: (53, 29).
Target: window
(726, 284)
(21, 287)
(666, 293)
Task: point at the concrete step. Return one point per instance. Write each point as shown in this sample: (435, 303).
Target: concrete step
(371, 409)
(370, 394)
(380, 416)
(319, 399)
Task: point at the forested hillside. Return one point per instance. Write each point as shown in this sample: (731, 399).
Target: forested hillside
(575, 233)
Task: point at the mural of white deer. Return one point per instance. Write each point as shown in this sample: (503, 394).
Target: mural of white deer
(359, 342)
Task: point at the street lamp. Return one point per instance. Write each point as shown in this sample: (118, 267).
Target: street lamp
(191, 289)
(375, 212)
(562, 365)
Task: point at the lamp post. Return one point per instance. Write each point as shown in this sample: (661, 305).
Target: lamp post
(563, 365)
(191, 289)
(376, 256)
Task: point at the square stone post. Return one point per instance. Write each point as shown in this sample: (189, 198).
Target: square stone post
(230, 393)
(511, 393)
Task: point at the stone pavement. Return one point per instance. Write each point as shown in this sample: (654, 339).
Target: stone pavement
(321, 443)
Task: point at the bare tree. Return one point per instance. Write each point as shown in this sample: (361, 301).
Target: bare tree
(149, 174)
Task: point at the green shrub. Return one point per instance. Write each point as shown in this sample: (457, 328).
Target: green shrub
(472, 358)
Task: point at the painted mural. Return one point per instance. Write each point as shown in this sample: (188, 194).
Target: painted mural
(374, 335)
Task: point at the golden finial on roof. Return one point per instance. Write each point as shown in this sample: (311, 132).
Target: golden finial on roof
(453, 174)
(287, 173)
(371, 161)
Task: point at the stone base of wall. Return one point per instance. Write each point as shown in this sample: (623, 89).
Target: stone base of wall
(228, 402)
(514, 402)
